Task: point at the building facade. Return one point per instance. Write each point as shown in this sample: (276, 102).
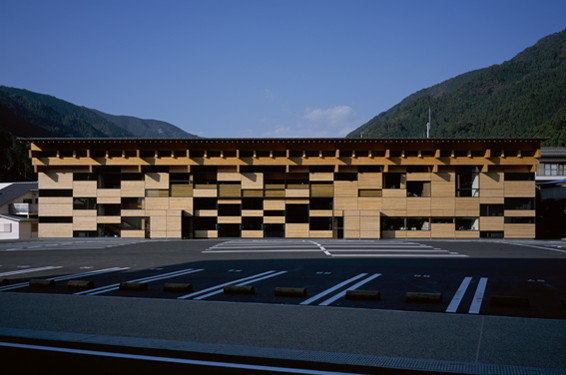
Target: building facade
(18, 210)
(299, 188)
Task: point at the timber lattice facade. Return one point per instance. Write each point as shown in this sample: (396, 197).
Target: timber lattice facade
(299, 188)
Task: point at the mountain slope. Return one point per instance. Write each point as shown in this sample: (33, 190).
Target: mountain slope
(146, 128)
(28, 114)
(523, 97)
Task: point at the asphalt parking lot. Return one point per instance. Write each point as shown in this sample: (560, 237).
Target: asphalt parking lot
(502, 278)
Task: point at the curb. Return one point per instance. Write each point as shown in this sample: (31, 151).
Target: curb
(133, 286)
(289, 292)
(509, 301)
(363, 295)
(423, 297)
(239, 289)
(42, 283)
(80, 284)
(178, 287)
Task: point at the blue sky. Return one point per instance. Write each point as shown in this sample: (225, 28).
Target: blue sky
(258, 68)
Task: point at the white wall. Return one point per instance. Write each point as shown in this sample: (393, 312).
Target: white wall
(14, 234)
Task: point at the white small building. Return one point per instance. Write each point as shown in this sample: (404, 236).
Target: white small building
(18, 210)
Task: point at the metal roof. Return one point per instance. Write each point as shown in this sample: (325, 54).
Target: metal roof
(15, 190)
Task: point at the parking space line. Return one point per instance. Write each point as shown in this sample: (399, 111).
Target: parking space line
(218, 291)
(220, 286)
(478, 297)
(28, 270)
(353, 287)
(453, 306)
(112, 287)
(66, 277)
(335, 287)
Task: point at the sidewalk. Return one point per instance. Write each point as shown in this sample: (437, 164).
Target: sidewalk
(457, 343)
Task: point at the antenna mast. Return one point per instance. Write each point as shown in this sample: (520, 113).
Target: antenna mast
(428, 124)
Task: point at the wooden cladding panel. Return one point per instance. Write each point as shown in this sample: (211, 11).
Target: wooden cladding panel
(368, 203)
(442, 185)
(490, 223)
(441, 230)
(321, 176)
(252, 180)
(442, 207)
(157, 180)
(394, 206)
(156, 203)
(229, 190)
(418, 176)
(491, 180)
(55, 206)
(205, 193)
(418, 206)
(181, 190)
(297, 193)
(84, 220)
(55, 180)
(322, 190)
(185, 204)
(252, 234)
(85, 189)
(134, 189)
(466, 234)
(229, 176)
(296, 230)
(519, 230)
(520, 189)
(47, 230)
(132, 234)
(369, 180)
(345, 189)
(467, 206)
(274, 204)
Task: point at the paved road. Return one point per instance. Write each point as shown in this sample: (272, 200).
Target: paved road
(467, 275)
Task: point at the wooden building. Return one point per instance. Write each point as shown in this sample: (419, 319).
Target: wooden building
(301, 188)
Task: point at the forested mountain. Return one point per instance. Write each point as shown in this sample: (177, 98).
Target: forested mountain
(523, 97)
(146, 128)
(28, 114)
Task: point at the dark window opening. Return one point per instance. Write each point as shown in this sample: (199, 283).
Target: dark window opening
(204, 223)
(132, 223)
(229, 210)
(56, 192)
(84, 176)
(519, 203)
(418, 189)
(491, 234)
(320, 223)
(344, 176)
(393, 180)
(252, 223)
(514, 176)
(491, 209)
(467, 182)
(519, 220)
(109, 209)
(56, 219)
(467, 223)
(273, 213)
(205, 203)
(297, 213)
(252, 203)
(84, 203)
(132, 203)
(393, 223)
(321, 203)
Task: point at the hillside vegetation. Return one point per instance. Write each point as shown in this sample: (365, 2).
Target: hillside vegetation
(523, 97)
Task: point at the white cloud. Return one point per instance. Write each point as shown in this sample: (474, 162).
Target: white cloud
(335, 116)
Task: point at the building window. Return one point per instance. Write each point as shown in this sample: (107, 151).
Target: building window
(109, 210)
(393, 223)
(229, 210)
(519, 220)
(491, 209)
(394, 180)
(84, 176)
(56, 219)
(514, 176)
(56, 192)
(205, 223)
(297, 213)
(320, 223)
(205, 203)
(491, 234)
(467, 182)
(467, 223)
(84, 203)
(132, 203)
(418, 223)
(418, 189)
(85, 233)
(132, 223)
(6, 228)
(519, 203)
(252, 223)
(252, 204)
(109, 180)
(321, 203)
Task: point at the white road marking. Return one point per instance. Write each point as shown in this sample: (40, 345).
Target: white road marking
(536, 247)
(478, 297)
(411, 255)
(223, 285)
(112, 287)
(335, 287)
(66, 277)
(218, 291)
(184, 361)
(453, 306)
(353, 287)
(30, 270)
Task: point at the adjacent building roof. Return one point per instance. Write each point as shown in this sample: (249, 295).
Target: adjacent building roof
(11, 191)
